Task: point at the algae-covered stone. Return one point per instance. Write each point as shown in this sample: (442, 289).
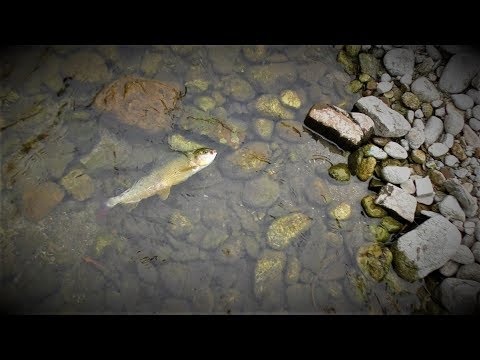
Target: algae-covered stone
(286, 228)
(151, 63)
(366, 168)
(418, 156)
(238, 88)
(318, 192)
(369, 64)
(205, 103)
(397, 106)
(341, 212)
(375, 184)
(293, 270)
(374, 260)
(268, 272)
(291, 99)
(411, 100)
(379, 233)
(355, 86)
(372, 210)
(375, 151)
(78, 184)
(339, 172)
(347, 62)
(272, 77)
(354, 160)
(197, 79)
(255, 53)
(269, 105)
(391, 225)
(247, 161)
(291, 130)
(102, 242)
(264, 128)
(179, 224)
(352, 50)
(178, 142)
(364, 78)
(86, 66)
(427, 110)
(260, 192)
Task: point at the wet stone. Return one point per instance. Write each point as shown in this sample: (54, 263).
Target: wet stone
(339, 172)
(285, 229)
(260, 192)
(246, 162)
(372, 210)
(78, 184)
(39, 201)
(374, 260)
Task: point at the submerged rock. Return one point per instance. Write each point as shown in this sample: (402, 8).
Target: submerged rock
(313, 253)
(339, 172)
(426, 248)
(341, 212)
(374, 260)
(86, 66)
(318, 192)
(291, 130)
(379, 233)
(39, 201)
(144, 103)
(237, 88)
(270, 105)
(271, 78)
(260, 192)
(78, 184)
(291, 99)
(247, 161)
(268, 272)
(286, 228)
(460, 297)
(264, 128)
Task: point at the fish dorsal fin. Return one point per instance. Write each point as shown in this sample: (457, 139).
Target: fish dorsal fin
(164, 193)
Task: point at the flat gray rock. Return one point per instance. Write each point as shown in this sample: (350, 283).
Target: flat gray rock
(395, 150)
(451, 160)
(388, 122)
(398, 200)
(448, 140)
(459, 297)
(471, 137)
(462, 101)
(433, 129)
(451, 209)
(437, 149)
(474, 123)
(425, 248)
(396, 174)
(424, 186)
(415, 138)
(454, 120)
(463, 255)
(399, 62)
(466, 200)
(475, 95)
(425, 90)
(459, 72)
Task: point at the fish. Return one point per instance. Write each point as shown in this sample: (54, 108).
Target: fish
(160, 180)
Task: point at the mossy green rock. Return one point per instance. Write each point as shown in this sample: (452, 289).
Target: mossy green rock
(391, 225)
(364, 78)
(264, 128)
(269, 271)
(101, 243)
(272, 77)
(293, 270)
(353, 50)
(260, 192)
(392, 162)
(374, 260)
(347, 62)
(341, 212)
(375, 184)
(238, 88)
(354, 161)
(372, 210)
(427, 110)
(354, 86)
(270, 105)
(339, 172)
(366, 168)
(403, 266)
(418, 156)
(286, 228)
(379, 233)
(291, 99)
(397, 106)
(78, 184)
(410, 100)
(369, 64)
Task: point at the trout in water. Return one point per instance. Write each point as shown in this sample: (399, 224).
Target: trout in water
(160, 180)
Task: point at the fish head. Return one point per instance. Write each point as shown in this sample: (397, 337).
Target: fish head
(204, 156)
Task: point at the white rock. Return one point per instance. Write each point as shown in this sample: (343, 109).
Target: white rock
(433, 129)
(383, 87)
(454, 120)
(467, 201)
(448, 140)
(469, 227)
(395, 150)
(429, 213)
(425, 90)
(410, 115)
(376, 152)
(418, 114)
(408, 186)
(399, 61)
(437, 103)
(427, 199)
(385, 78)
(463, 255)
(450, 208)
(418, 123)
(459, 72)
(471, 137)
(462, 101)
(476, 251)
(433, 52)
(449, 269)
(398, 200)
(404, 144)
(407, 79)
(437, 149)
(476, 111)
(468, 240)
(451, 160)
(461, 173)
(474, 124)
(459, 296)
(388, 122)
(429, 246)
(440, 112)
(396, 174)
(424, 186)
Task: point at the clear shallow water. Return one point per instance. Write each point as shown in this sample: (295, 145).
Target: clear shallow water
(204, 249)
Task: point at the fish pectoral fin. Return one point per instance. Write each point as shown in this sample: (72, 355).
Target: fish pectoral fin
(164, 193)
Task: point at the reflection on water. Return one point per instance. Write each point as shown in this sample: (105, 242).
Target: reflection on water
(263, 229)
